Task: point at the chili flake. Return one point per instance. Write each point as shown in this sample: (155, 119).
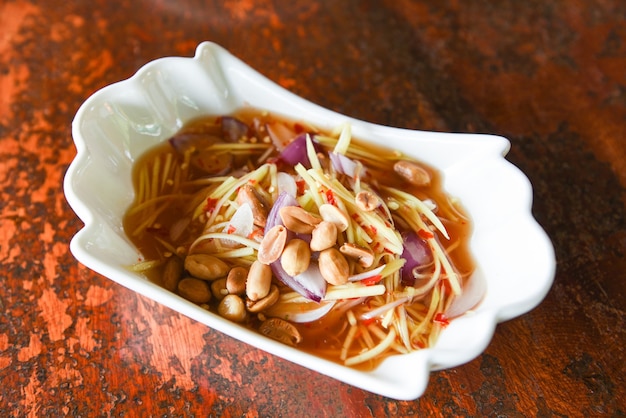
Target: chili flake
(211, 203)
(330, 197)
(441, 319)
(425, 234)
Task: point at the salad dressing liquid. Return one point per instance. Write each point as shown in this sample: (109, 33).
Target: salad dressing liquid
(319, 337)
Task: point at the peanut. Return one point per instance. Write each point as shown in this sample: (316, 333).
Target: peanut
(272, 245)
(281, 330)
(296, 257)
(218, 289)
(412, 172)
(298, 220)
(236, 280)
(366, 200)
(323, 236)
(334, 266)
(248, 194)
(172, 272)
(194, 290)
(364, 256)
(232, 308)
(259, 281)
(335, 215)
(205, 267)
(266, 302)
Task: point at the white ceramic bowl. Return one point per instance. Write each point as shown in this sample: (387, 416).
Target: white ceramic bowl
(121, 121)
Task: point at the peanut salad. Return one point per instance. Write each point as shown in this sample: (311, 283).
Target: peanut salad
(312, 238)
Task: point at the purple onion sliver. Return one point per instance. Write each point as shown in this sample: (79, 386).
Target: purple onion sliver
(313, 281)
(343, 164)
(289, 281)
(181, 142)
(295, 152)
(233, 129)
(416, 253)
(313, 314)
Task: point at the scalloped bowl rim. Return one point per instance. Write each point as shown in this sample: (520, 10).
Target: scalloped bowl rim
(120, 121)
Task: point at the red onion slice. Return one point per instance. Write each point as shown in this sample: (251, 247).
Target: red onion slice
(416, 252)
(280, 134)
(295, 152)
(307, 289)
(233, 129)
(313, 282)
(474, 290)
(343, 164)
(242, 221)
(346, 165)
(366, 274)
(299, 313)
(286, 183)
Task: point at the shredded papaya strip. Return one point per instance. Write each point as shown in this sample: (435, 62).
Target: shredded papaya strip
(356, 291)
(374, 352)
(312, 154)
(204, 181)
(230, 193)
(146, 265)
(360, 153)
(381, 334)
(228, 147)
(273, 182)
(168, 246)
(452, 276)
(149, 221)
(384, 309)
(213, 196)
(154, 186)
(366, 336)
(424, 326)
(142, 185)
(311, 183)
(233, 237)
(166, 169)
(402, 326)
(156, 200)
(409, 199)
(348, 342)
(238, 253)
(344, 139)
(366, 218)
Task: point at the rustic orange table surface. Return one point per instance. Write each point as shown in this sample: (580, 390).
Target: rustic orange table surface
(550, 76)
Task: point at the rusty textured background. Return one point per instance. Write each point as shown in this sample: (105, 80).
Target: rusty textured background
(550, 76)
